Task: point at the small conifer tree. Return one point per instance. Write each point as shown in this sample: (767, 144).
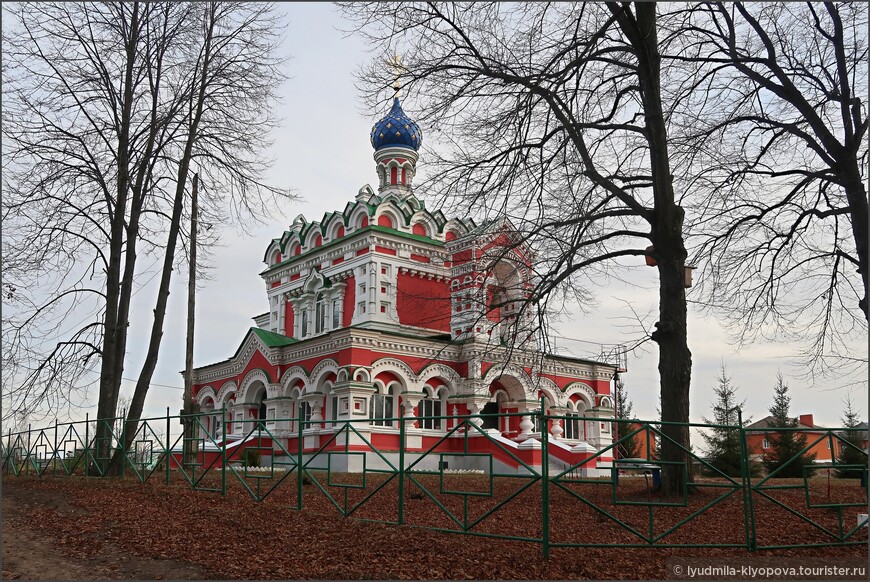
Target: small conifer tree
(723, 442)
(785, 446)
(629, 448)
(851, 449)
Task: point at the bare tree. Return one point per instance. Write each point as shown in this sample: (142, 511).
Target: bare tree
(109, 104)
(776, 132)
(552, 116)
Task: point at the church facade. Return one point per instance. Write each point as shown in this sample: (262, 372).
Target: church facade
(389, 312)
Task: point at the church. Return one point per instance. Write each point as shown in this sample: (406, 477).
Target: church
(389, 312)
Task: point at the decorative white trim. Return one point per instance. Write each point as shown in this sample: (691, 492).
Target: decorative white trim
(585, 391)
(256, 375)
(450, 376)
(498, 370)
(551, 390)
(323, 368)
(397, 367)
(206, 392)
(227, 388)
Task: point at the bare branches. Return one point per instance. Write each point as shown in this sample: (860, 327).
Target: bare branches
(559, 126)
(99, 116)
(774, 129)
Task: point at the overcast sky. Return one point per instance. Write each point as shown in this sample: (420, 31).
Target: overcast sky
(322, 151)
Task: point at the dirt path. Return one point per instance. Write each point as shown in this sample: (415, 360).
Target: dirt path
(31, 553)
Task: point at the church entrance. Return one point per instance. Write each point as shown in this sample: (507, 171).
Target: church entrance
(489, 413)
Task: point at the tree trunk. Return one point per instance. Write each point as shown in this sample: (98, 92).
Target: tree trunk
(144, 381)
(857, 197)
(675, 359)
(137, 403)
(111, 369)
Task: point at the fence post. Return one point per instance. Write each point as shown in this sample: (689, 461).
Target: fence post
(545, 481)
(54, 468)
(748, 508)
(299, 456)
(87, 443)
(402, 436)
(167, 456)
(223, 452)
(123, 442)
(27, 460)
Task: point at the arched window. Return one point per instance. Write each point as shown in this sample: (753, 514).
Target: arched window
(574, 427)
(333, 410)
(382, 409)
(430, 407)
(304, 321)
(305, 407)
(331, 405)
(336, 314)
(216, 428)
(320, 314)
(293, 412)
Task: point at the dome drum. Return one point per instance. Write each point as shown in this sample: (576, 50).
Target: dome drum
(396, 167)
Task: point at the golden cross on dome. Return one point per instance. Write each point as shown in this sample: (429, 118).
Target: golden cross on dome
(395, 64)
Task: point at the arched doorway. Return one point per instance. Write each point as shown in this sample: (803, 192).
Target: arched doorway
(490, 415)
(259, 401)
(505, 391)
(261, 416)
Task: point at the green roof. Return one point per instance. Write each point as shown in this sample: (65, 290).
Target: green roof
(271, 339)
(359, 231)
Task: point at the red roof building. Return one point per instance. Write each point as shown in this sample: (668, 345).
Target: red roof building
(825, 449)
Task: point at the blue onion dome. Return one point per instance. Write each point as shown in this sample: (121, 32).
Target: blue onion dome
(396, 130)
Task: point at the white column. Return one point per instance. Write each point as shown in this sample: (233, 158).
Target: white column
(316, 407)
(557, 430)
(526, 426)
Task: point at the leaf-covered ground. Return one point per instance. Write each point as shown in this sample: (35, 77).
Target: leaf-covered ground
(110, 528)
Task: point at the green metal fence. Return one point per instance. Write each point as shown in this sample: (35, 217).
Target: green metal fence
(470, 480)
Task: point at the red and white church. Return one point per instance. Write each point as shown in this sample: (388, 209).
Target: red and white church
(388, 310)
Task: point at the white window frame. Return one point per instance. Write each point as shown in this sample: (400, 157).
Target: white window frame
(320, 313)
(430, 406)
(336, 313)
(575, 428)
(382, 406)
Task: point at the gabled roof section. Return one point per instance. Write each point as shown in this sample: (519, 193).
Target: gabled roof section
(767, 422)
(266, 338)
(271, 339)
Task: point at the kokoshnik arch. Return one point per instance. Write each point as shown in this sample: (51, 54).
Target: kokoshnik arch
(388, 310)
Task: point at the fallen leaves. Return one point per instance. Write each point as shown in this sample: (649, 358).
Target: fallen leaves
(235, 537)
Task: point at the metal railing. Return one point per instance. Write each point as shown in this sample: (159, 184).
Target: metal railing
(471, 480)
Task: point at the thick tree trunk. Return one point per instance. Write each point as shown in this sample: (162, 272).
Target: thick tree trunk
(675, 359)
(857, 197)
(112, 365)
(137, 403)
(144, 381)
